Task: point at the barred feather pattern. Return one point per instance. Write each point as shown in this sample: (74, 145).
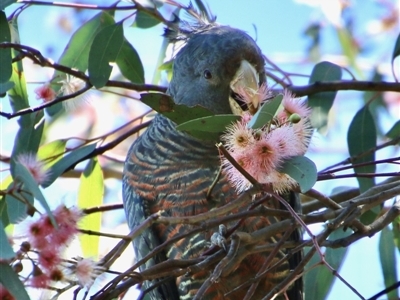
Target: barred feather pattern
(170, 171)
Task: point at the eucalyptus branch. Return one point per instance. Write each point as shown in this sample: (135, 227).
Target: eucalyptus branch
(372, 229)
(385, 291)
(349, 194)
(349, 160)
(112, 144)
(109, 259)
(250, 178)
(264, 269)
(136, 87)
(209, 260)
(102, 208)
(328, 202)
(205, 262)
(30, 110)
(359, 175)
(369, 163)
(39, 59)
(76, 5)
(344, 85)
(227, 208)
(114, 131)
(277, 69)
(299, 268)
(109, 235)
(315, 205)
(153, 12)
(388, 217)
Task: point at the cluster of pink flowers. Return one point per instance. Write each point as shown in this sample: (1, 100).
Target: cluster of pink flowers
(34, 166)
(45, 92)
(85, 271)
(49, 242)
(262, 151)
(69, 85)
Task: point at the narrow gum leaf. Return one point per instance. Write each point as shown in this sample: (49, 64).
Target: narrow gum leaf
(90, 194)
(321, 103)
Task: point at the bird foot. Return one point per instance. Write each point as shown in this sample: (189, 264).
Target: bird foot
(218, 238)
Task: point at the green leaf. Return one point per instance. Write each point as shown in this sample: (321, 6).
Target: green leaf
(5, 53)
(90, 194)
(3, 204)
(215, 123)
(5, 3)
(67, 162)
(76, 53)
(9, 279)
(28, 137)
(387, 257)
(16, 209)
(319, 281)
(6, 251)
(129, 63)
(5, 86)
(301, 169)
(18, 94)
(396, 52)
(162, 55)
(361, 137)
(208, 128)
(266, 113)
(394, 132)
(321, 103)
(144, 20)
(3, 212)
(23, 175)
(52, 152)
(6, 182)
(376, 102)
(179, 114)
(396, 232)
(105, 48)
(205, 136)
(147, 297)
(168, 68)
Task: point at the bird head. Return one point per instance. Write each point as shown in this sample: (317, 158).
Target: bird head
(213, 66)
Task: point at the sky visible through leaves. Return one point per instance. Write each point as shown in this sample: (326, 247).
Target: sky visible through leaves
(278, 27)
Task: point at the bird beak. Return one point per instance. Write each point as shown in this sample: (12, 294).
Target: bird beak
(245, 84)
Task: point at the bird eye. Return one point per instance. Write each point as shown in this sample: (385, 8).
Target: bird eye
(207, 74)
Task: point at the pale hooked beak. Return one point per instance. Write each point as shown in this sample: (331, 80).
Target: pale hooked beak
(245, 84)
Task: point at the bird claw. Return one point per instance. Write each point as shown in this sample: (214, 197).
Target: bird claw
(218, 238)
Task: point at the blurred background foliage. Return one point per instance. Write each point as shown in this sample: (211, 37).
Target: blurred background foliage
(84, 142)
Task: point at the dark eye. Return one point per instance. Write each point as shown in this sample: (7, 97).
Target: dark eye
(207, 74)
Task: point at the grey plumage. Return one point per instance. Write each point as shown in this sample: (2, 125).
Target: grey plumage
(171, 171)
